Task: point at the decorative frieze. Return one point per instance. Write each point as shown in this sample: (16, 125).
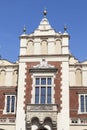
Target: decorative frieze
(42, 107)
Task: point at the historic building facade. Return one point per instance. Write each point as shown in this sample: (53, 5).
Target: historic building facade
(47, 87)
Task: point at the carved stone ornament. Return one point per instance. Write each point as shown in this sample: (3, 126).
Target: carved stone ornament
(43, 67)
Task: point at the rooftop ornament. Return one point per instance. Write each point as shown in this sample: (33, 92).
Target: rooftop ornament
(65, 28)
(45, 12)
(24, 30)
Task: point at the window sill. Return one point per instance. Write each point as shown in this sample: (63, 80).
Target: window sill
(82, 113)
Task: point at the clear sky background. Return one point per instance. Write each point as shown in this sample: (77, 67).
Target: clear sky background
(14, 14)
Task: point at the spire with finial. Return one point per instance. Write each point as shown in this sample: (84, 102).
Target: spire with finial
(24, 30)
(45, 12)
(65, 28)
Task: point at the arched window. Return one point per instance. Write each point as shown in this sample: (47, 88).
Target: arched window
(78, 77)
(58, 47)
(35, 123)
(15, 78)
(44, 47)
(2, 77)
(30, 48)
(48, 123)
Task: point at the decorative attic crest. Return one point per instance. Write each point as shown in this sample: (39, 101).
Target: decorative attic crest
(43, 67)
(44, 28)
(43, 64)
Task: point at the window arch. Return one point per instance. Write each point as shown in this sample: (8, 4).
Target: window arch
(2, 77)
(44, 47)
(78, 77)
(35, 123)
(30, 47)
(58, 46)
(15, 73)
(35, 120)
(48, 123)
(48, 119)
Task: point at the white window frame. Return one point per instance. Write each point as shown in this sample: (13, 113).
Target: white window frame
(46, 75)
(79, 110)
(5, 107)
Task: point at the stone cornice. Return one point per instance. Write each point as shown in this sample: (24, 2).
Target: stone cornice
(43, 70)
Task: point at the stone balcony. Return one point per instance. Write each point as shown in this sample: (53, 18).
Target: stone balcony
(42, 112)
(42, 107)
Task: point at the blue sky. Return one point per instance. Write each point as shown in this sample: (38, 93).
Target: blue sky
(14, 14)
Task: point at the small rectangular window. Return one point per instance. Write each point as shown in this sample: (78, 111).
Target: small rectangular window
(10, 103)
(43, 95)
(37, 81)
(49, 95)
(83, 103)
(43, 81)
(13, 104)
(37, 95)
(86, 102)
(49, 81)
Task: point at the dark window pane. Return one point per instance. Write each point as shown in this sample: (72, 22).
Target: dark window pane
(49, 95)
(48, 90)
(49, 81)
(37, 81)
(8, 104)
(13, 104)
(37, 91)
(37, 100)
(37, 95)
(86, 102)
(82, 103)
(43, 81)
(43, 94)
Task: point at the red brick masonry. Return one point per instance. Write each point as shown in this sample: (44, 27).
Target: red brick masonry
(5, 90)
(57, 82)
(74, 101)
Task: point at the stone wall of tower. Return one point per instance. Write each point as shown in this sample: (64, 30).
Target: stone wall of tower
(46, 44)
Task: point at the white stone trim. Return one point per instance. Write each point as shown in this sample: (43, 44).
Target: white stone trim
(63, 116)
(37, 58)
(20, 122)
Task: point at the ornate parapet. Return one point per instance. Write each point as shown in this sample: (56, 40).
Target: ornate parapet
(42, 107)
(7, 121)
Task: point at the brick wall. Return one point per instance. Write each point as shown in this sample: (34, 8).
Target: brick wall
(74, 101)
(3, 91)
(57, 82)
